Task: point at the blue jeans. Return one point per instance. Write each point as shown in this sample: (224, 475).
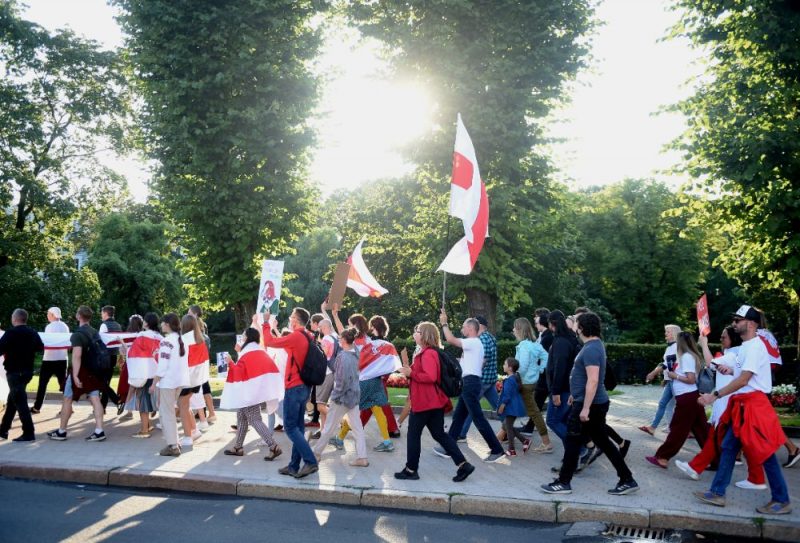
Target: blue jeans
(557, 416)
(664, 404)
(469, 403)
(727, 460)
(294, 413)
(489, 392)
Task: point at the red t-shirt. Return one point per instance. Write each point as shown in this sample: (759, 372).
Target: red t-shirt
(296, 346)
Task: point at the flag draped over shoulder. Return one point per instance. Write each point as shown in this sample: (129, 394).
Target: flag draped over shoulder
(142, 355)
(198, 360)
(60, 340)
(360, 278)
(253, 379)
(377, 358)
(468, 202)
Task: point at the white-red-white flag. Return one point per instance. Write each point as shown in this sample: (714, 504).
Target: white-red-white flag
(468, 202)
(142, 356)
(360, 279)
(252, 380)
(198, 360)
(376, 358)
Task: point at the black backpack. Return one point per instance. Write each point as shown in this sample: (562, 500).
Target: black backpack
(610, 381)
(449, 374)
(97, 359)
(315, 366)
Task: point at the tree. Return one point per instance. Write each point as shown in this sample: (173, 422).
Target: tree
(61, 100)
(643, 263)
(136, 266)
(308, 267)
(227, 92)
(502, 65)
(742, 145)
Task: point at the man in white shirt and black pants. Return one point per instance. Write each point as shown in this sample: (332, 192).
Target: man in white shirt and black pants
(54, 361)
(470, 400)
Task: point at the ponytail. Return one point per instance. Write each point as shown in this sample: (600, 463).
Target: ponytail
(180, 342)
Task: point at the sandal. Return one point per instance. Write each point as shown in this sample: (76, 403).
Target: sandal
(646, 430)
(141, 434)
(274, 453)
(236, 451)
(544, 449)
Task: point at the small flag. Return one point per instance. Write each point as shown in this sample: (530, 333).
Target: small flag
(360, 279)
(703, 321)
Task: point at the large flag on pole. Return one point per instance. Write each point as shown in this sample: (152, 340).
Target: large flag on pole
(360, 279)
(469, 203)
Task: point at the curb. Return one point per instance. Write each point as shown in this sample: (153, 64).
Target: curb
(452, 503)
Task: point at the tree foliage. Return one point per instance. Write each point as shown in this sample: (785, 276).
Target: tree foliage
(742, 146)
(227, 91)
(502, 65)
(61, 100)
(136, 265)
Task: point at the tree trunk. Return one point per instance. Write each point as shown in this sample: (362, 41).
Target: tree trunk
(243, 314)
(480, 302)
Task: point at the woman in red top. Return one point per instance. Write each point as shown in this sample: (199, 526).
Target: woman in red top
(428, 403)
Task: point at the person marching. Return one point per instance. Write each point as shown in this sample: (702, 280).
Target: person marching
(142, 368)
(172, 376)
(511, 406)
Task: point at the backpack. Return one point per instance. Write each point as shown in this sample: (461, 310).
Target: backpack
(705, 380)
(315, 366)
(610, 380)
(96, 359)
(449, 374)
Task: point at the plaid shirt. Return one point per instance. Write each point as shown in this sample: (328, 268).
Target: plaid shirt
(489, 376)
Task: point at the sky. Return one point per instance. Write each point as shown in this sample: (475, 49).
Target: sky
(609, 130)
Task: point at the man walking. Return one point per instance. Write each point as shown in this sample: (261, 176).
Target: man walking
(489, 373)
(297, 393)
(587, 418)
(470, 400)
(750, 422)
(19, 345)
(109, 325)
(54, 361)
(81, 381)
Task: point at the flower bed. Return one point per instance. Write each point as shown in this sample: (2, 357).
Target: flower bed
(783, 395)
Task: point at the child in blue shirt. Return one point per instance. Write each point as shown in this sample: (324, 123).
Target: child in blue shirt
(511, 406)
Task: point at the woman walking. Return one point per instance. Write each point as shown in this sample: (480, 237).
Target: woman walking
(141, 367)
(171, 377)
(532, 360)
(428, 403)
(689, 415)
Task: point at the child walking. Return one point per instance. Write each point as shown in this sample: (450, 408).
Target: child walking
(511, 406)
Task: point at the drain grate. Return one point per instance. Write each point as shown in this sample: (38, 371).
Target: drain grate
(639, 534)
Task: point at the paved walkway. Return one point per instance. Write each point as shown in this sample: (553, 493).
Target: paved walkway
(509, 488)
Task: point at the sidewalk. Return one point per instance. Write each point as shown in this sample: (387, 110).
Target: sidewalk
(507, 489)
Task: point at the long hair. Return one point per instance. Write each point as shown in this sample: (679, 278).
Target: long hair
(135, 324)
(190, 324)
(197, 311)
(736, 339)
(151, 320)
(174, 323)
(523, 326)
(251, 335)
(686, 344)
(359, 322)
(559, 322)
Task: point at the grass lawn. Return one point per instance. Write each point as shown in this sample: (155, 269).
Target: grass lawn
(787, 418)
(397, 396)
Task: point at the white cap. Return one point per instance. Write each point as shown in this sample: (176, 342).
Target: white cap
(55, 311)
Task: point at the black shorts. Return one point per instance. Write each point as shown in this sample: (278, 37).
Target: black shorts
(206, 388)
(190, 391)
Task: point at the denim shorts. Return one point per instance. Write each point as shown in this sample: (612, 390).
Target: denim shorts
(68, 393)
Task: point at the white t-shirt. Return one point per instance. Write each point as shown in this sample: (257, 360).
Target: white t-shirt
(472, 359)
(753, 357)
(686, 364)
(727, 359)
(670, 351)
(56, 354)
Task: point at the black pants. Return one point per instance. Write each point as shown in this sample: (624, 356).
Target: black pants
(433, 419)
(50, 368)
(579, 433)
(108, 393)
(18, 401)
(511, 432)
(542, 392)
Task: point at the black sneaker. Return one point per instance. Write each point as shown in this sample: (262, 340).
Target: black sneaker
(57, 435)
(464, 471)
(622, 488)
(23, 437)
(583, 461)
(394, 435)
(557, 487)
(407, 475)
(792, 459)
(96, 436)
(596, 453)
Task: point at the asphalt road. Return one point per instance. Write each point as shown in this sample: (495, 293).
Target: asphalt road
(35, 512)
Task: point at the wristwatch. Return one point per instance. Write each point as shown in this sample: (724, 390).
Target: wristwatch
(716, 393)
(445, 325)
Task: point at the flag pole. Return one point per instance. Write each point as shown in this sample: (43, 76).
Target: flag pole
(446, 248)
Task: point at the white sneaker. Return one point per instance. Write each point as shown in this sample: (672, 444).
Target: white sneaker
(747, 485)
(196, 435)
(185, 442)
(202, 426)
(158, 425)
(687, 469)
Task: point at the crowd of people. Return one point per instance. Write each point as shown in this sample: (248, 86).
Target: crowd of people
(559, 379)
